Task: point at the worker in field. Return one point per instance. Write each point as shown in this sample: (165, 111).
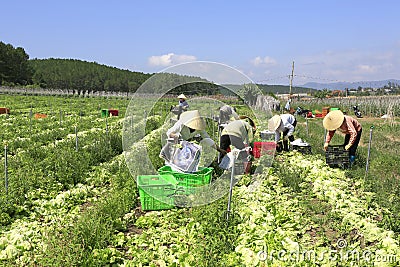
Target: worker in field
(181, 107)
(287, 105)
(285, 125)
(336, 120)
(189, 126)
(238, 133)
(227, 112)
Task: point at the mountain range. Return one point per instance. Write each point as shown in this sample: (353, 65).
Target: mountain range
(350, 85)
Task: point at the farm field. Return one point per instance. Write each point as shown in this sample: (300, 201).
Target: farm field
(68, 198)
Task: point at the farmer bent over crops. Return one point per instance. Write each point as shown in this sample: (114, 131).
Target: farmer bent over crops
(238, 133)
(188, 127)
(286, 124)
(336, 120)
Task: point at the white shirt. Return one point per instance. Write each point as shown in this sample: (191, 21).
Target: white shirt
(287, 121)
(287, 106)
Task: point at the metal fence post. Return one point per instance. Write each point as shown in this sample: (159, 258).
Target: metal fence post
(76, 139)
(369, 150)
(307, 126)
(5, 169)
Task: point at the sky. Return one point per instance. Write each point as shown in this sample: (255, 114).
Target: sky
(328, 40)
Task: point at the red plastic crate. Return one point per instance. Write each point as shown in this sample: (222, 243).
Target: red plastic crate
(113, 112)
(4, 111)
(263, 148)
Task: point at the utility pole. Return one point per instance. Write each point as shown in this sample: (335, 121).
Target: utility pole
(291, 81)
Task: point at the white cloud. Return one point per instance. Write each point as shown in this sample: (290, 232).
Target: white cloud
(257, 61)
(169, 59)
(366, 68)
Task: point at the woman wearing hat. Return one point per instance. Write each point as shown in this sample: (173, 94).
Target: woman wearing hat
(189, 125)
(238, 133)
(336, 120)
(286, 124)
(182, 104)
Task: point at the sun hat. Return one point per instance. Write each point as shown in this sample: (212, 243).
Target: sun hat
(192, 119)
(248, 119)
(333, 120)
(182, 96)
(274, 123)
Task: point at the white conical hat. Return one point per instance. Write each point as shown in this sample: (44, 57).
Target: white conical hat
(274, 123)
(182, 96)
(192, 119)
(333, 120)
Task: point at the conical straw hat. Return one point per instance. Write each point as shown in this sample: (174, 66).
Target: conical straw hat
(192, 119)
(274, 123)
(182, 96)
(333, 120)
(249, 120)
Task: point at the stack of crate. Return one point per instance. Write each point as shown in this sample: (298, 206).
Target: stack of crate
(325, 111)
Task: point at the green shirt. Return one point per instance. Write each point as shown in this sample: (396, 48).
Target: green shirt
(241, 129)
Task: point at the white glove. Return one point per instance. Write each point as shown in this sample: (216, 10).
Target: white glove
(326, 146)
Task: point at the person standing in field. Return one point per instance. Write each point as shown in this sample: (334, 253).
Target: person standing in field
(182, 105)
(336, 120)
(287, 105)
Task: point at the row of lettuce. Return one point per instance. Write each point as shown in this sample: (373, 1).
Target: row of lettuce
(305, 215)
(86, 213)
(269, 225)
(45, 156)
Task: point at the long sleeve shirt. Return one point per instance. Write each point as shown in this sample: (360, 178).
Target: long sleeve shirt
(183, 104)
(241, 129)
(349, 126)
(287, 121)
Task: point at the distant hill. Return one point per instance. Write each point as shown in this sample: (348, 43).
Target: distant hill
(350, 85)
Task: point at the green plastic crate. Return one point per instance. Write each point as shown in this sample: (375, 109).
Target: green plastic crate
(189, 180)
(157, 191)
(104, 113)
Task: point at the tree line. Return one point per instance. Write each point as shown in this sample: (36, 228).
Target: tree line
(14, 66)
(16, 69)
(82, 75)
